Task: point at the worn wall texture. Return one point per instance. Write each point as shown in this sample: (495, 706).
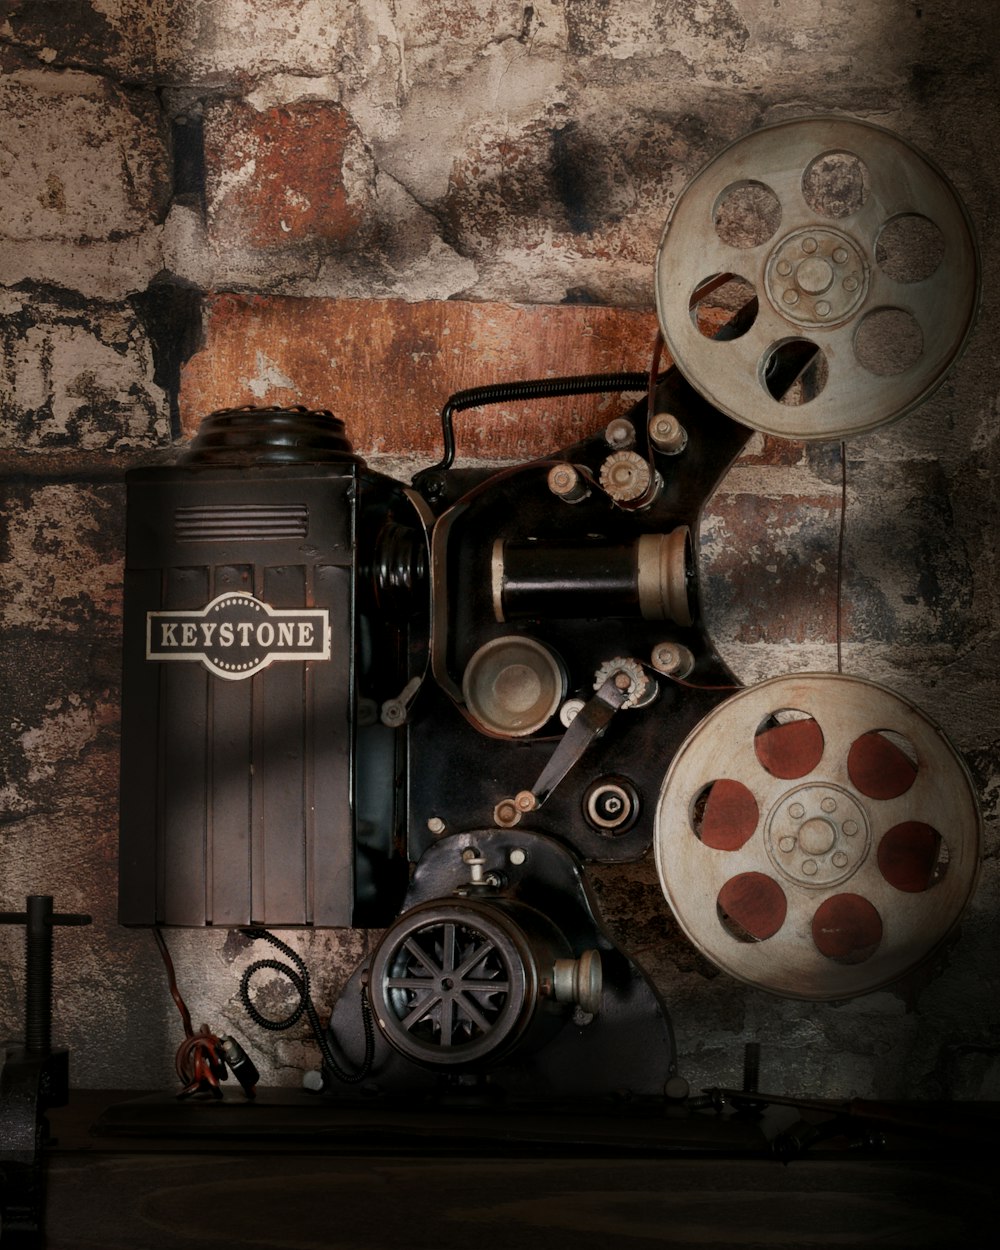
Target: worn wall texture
(369, 205)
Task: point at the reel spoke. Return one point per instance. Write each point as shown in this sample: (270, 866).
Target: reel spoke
(465, 1006)
(421, 957)
(478, 955)
(448, 949)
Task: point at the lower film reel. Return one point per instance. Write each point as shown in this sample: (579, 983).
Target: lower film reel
(817, 836)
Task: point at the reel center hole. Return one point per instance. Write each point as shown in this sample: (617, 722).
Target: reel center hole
(888, 341)
(847, 929)
(909, 248)
(913, 857)
(795, 372)
(788, 743)
(723, 307)
(836, 184)
(747, 214)
(882, 764)
(751, 907)
(725, 815)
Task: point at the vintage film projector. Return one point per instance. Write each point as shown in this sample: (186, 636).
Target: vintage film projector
(349, 702)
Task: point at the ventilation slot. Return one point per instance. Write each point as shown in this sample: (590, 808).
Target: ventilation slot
(241, 521)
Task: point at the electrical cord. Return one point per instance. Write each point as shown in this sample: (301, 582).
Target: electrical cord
(200, 1061)
(539, 388)
(840, 557)
(297, 972)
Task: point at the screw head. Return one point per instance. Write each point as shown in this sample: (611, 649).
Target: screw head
(619, 433)
(667, 434)
(505, 814)
(672, 658)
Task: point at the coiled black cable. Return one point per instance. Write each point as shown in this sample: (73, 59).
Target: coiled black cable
(539, 388)
(298, 974)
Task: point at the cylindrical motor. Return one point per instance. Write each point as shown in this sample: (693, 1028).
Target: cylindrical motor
(648, 577)
(466, 981)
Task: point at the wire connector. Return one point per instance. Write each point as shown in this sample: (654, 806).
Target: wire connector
(240, 1064)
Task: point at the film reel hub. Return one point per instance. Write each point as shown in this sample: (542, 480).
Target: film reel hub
(817, 835)
(816, 277)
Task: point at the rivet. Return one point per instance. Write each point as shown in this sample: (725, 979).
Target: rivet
(784, 267)
(796, 811)
(850, 827)
(809, 867)
(851, 283)
(791, 297)
(840, 255)
(823, 308)
(840, 859)
(809, 245)
(829, 805)
(787, 844)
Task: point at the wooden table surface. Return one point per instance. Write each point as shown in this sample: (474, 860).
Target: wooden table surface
(416, 1182)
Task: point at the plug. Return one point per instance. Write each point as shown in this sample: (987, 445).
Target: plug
(241, 1064)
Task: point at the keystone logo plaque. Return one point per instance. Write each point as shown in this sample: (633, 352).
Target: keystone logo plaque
(236, 635)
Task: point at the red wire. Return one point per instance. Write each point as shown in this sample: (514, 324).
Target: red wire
(198, 1062)
(654, 375)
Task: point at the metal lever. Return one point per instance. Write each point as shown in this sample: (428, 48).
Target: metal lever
(396, 712)
(586, 727)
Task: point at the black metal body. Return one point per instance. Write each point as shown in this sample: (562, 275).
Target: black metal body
(297, 629)
(564, 581)
(273, 786)
(626, 1049)
(271, 797)
(457, 774)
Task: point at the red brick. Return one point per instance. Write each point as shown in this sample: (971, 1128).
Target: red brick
(285, 175)
(386, 367)
(775, 451)
(770, 564)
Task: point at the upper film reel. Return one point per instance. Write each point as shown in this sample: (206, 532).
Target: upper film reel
(817, 836)
(854, 265)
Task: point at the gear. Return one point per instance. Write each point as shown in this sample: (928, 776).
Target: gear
(625, 476)
(640, 690)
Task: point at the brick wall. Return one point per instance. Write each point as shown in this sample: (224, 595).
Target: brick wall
(368, 206)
